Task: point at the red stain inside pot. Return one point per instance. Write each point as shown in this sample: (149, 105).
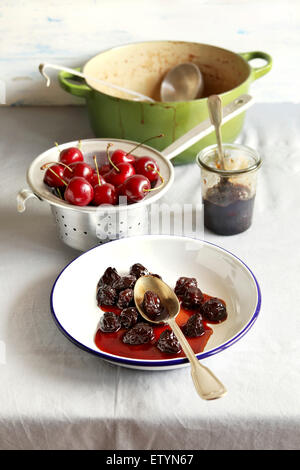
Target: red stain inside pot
(112, 342)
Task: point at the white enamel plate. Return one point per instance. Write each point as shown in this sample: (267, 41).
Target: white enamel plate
(218, 272)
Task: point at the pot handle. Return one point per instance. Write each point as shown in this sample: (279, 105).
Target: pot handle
(82, 90)
(22, 197)
(230, 111)
(258, 71)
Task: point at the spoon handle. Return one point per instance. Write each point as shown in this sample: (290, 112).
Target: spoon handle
(206, 383)
(230, 111)
(214, 103)
(137, 95)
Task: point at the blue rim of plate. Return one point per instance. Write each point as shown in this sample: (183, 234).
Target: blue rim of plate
(167, 362)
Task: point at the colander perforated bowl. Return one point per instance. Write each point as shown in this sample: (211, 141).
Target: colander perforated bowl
(85, 227)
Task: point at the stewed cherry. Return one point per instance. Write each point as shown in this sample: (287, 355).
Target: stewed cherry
(106, 295)
(168, 343)
(129, 317)
(194, 326)
(140, 333)
(138, 270)
(192, 298)
(152, 305)
(125, 298)
(109, 277)
(183, 284)
(109, 322)
(125, 282)
(214, 310)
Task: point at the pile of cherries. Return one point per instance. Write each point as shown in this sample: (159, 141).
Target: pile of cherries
(116, 290)
(78, 183)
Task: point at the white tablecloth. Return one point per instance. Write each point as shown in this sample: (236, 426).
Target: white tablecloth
(55, 396)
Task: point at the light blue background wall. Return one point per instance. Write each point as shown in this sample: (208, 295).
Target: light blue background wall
(70, 32)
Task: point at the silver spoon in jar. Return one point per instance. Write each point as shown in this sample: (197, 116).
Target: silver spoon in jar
(184, 82)
(214, 104)
(206, 383)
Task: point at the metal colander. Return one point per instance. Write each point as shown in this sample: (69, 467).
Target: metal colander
(85, 227)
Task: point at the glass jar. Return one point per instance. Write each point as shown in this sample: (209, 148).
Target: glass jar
(228, 193)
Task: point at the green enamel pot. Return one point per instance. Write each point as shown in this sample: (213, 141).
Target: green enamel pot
(141, 67)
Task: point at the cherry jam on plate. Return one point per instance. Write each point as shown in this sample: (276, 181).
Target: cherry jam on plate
(124, 332)
(112, 342)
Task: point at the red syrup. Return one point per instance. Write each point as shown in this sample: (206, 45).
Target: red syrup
(112, 342)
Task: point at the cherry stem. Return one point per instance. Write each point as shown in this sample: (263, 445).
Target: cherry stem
(144, 141)
(59, 193)
(97, 169)
(56, 163)
(109, 159)
(161, 178)
(57, 146)
(52, 171)
(79, 144)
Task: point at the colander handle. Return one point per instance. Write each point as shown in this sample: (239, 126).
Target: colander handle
(230, 111)
(22, 197)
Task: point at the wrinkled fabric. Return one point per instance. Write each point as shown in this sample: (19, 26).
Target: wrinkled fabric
(55, 396)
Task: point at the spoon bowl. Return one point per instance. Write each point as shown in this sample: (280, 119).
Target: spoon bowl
(184, 82)
(166, 294)
(207, 385)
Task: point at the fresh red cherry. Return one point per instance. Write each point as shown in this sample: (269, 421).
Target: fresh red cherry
(81, 169)
(104, 194)
(79, 191)
(94, 180)
(104, 169)
(120, 156)
(119, 174)
(136, 188)
(120, 190)
(54, 176)
(71, 155)
(148, 167)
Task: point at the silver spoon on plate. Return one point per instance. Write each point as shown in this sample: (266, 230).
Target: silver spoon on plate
(206, 383)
